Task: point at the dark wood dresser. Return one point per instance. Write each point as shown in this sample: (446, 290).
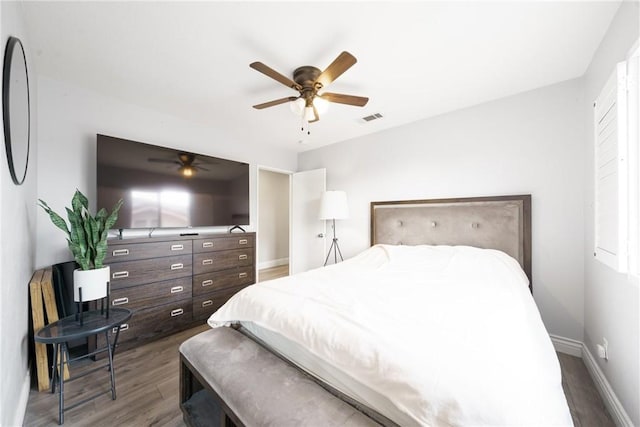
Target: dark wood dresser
(173, 283)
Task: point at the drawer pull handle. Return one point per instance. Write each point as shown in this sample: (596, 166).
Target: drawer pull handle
(207, 244)
(243, 241)
(207, 303)
(242, 275)
(207, 282)
(178, 266)
(123, 327)
(120, 274)
(177, 247)
(207, 261)
(243, 256)
(120, 301)
(120, 252)
(177, 289)
(176, 312)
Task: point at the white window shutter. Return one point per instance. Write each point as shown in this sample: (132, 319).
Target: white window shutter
(633, 163)
(611, 204)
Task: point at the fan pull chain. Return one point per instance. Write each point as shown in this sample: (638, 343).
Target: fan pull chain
(305, 124)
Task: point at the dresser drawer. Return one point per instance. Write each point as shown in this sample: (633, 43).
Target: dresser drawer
(223, 260)
(134, 251)
(223, 243)
(205, 305)
(209, 282)
(139, 272)
(151, 294)
(153, 322)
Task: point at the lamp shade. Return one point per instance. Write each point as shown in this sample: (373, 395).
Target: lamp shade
(333, 205)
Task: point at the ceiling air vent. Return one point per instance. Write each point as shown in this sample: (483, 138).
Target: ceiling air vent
(372, 117)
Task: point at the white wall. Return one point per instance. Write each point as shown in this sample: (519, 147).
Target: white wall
(528, 143)
(17, 246)
(70, 119)
(611, 299)
(273, 219)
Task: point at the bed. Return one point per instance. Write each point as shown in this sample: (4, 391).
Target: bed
(433, 325)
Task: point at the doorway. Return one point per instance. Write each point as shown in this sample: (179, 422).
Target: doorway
(273, 223)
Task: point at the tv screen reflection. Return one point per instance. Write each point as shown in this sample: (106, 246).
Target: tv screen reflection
(162, 187)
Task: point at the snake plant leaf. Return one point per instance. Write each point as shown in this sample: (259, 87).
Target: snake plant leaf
(101, 218)
(102, 215)
(56, 219)
(93, 231)
(86, 224)
(76, 203)
(80, 198)
(111, 219)
(77, 230)
(83, 261)
(101, 249)
(101, 253)
(86, 235)
(95, 240)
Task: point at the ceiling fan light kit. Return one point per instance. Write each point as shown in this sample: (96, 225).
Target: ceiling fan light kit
(321, 104)
(186, 170)
(297, 106)
(186, 162)
(309, 81)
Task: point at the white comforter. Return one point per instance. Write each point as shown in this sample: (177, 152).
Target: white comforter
(450, 335)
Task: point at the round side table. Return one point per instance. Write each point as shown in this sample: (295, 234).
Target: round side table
(64, 330)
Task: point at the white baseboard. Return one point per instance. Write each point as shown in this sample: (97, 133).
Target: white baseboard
(619, 415)
(18, 419)
(567, 345)
(579, 349)
(273, 263)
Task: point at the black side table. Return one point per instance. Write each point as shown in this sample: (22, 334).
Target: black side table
(68, 329)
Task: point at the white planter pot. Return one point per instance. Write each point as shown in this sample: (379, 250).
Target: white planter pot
(93, 283)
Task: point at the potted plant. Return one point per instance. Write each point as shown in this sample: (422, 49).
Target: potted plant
(87, 240)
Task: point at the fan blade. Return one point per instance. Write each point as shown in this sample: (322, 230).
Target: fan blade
(270, 72)
(200, 168)
(340, 98)
(175, 162)
(342, 63)
(276, 102)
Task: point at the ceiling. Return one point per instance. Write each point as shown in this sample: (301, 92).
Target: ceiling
(415, 59)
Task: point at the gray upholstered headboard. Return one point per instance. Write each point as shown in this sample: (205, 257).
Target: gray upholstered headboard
(501, 222)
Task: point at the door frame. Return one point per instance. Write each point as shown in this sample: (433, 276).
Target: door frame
(276, 170)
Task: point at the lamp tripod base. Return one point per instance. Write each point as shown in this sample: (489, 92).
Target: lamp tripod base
(334, 247)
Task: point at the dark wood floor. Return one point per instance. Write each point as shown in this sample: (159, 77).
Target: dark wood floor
(147, 384)
(585, 403)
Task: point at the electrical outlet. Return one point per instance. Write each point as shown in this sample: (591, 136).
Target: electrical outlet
(601, 352)
(603, 349)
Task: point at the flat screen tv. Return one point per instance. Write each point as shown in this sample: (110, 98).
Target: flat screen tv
(166, 188)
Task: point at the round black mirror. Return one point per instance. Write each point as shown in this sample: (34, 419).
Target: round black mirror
(15, 106)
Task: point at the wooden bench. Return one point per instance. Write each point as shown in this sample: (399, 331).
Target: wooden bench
(227, 379)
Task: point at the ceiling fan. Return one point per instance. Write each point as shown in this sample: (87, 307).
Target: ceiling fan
(309, 81)
(186, 164)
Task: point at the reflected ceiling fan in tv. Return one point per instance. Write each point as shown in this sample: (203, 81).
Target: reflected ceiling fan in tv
(168, 188)
(186, 162)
